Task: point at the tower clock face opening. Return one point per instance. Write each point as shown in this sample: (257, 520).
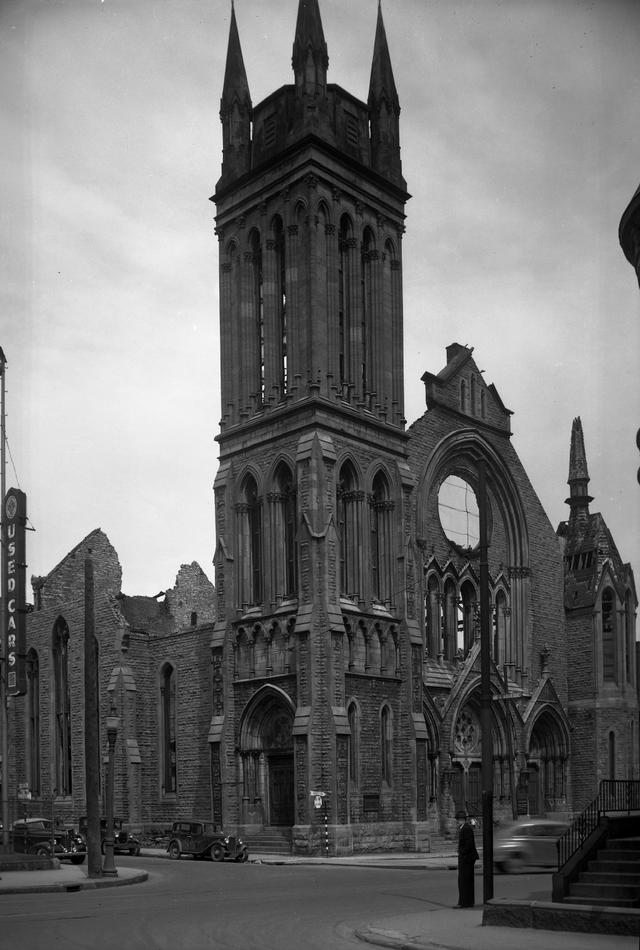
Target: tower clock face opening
(459, 513)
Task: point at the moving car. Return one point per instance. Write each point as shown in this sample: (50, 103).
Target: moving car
(123, 841)
(40, 836)
(202, 839)
(528, 842)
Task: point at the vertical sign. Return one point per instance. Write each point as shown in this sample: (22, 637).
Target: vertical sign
(15, 568)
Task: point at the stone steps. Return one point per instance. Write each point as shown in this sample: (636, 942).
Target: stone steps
(269, 841)
(612, 879)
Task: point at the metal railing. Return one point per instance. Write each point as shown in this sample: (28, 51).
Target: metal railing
(613, 796)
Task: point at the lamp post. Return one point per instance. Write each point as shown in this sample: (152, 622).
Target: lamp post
(113, 722)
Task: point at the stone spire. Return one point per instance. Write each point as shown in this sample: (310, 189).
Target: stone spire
(384, 108)
(235, 110)
(310, 59)
(578, 481)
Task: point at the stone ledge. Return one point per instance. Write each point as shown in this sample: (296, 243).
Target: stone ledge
(27, 862)
(576, 918)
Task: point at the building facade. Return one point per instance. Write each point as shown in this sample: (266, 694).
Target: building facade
(330, 685)
(347, 575)
(152, 656)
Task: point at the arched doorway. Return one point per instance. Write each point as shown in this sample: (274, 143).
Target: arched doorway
(546, 762)
(266, 759)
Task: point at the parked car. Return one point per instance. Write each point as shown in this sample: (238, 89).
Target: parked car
(528, 842)
(202, 839)
(35, 836)
(123, 841)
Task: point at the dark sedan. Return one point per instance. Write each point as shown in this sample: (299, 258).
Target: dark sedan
(40, 836)
(529, 842)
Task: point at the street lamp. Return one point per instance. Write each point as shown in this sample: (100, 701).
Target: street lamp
(113, 723)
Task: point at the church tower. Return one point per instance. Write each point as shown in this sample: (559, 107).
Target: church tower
(600, 606)
(312, 480)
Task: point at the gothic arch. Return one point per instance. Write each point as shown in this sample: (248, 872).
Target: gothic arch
(459, 454)
(547, 744)
(265, 757)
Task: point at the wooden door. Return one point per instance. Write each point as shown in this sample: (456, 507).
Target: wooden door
(281, 790)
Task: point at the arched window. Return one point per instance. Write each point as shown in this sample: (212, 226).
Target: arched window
(62, 708)
(257, 304)
(346, 244)
(630, 638)
(33, 722)
(467, 624)
(366, 304)
(168, 729)
(349, 506)
(285, 526)
(474, 408)
(386, 751)
(450, 619)
(612, 755)
(249, 511)
(433, 617)
(354, 745)
(381, 540)
(499, 628)
(281, 303)
(609, 633)
(463, 395)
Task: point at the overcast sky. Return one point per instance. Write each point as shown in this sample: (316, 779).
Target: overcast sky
(519, 134)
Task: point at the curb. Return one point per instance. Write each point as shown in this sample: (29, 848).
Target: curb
(71, 886)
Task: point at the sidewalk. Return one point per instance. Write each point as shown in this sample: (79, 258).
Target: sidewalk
(439, 929)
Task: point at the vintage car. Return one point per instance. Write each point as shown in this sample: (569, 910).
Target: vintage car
(123, 841)
(41, 836)
(528, 842)
(202, 839)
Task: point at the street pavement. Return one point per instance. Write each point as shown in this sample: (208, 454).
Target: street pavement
(440, 929)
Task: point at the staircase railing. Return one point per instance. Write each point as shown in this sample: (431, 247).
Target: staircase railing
(613, 796)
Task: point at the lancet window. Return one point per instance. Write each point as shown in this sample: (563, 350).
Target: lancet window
(62, 708)
(168, 729)
(349, 509)
(249, 514)
(284, 532)
(381, 540)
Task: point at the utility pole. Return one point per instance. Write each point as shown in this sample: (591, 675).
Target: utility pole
(4, 712)
(91, 728)
(486, 715)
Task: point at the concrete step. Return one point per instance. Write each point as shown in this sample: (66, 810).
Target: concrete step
(613, 867)
(600, 902)
(614, 853)
(269, 842)
(632, 844)
(612, 895)
(603, 877)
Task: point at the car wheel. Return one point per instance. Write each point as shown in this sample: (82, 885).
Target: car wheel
(41, 851)
(134, 852)
(174, 850)
(78, 859)
(514, 864)
(242, 857)
(217, 852)
(501, 867)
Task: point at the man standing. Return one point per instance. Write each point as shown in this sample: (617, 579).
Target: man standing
(467, 857)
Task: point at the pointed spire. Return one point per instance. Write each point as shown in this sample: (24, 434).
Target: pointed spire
(384, 109)
(235, 109)
(382, 84)
(578, 481)
(235, 86)
(310, 59)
